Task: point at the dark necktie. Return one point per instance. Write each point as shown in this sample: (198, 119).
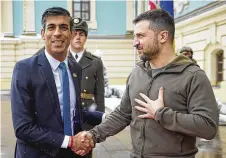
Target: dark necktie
(66, 100)
(76, 56)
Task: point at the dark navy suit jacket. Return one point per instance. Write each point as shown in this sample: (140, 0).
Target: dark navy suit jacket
(36, 111)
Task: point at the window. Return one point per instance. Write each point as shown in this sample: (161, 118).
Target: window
(81, 9)
(85, 9)
(220, 69)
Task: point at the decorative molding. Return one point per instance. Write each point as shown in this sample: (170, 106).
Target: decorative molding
(199, 11)
(108, 37)
(179, 5)
(203, 21)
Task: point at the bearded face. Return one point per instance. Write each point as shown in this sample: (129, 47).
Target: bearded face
(146, 41)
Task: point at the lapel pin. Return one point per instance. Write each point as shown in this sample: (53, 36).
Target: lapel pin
(74, 75)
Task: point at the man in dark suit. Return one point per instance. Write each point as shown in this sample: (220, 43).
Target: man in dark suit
(45, 96)
(92, 88)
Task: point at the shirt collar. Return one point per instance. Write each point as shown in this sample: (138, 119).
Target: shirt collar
(79, 53)
(53, 62)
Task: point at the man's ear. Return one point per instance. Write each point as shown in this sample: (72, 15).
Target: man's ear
(163, 36)
(43, 34)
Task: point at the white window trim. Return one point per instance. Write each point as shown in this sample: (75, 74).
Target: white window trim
(93, 22)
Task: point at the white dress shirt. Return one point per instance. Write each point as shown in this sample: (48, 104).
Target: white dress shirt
(80, 54)
(57, 74)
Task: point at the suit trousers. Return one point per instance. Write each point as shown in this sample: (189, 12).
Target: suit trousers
(67, 153)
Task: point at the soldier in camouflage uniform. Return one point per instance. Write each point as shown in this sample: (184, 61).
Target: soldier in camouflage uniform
(92, 84)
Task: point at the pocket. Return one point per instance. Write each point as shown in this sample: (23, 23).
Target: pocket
(162, 141)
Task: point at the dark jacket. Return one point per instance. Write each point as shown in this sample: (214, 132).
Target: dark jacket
(190, 111)
(92, 80)
(36, 111)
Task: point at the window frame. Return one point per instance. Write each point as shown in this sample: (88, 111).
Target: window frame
(92, 23)
(221, 63)
(81, 11)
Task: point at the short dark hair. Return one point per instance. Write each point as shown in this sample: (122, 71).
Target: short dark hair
(55, 11)
(159, 20)
(186, 49)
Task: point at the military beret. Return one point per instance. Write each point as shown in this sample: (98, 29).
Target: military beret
(80, 24)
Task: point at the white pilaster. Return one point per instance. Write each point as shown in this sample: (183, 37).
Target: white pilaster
(129, 16)
(7, 18)
(141, 6)
(29, 18)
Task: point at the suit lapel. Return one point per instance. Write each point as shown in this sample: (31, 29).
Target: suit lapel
(76, 80)
(74, 75)
(86, 60)
(46, 72)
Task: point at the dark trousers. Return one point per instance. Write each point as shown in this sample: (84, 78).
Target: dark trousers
(67, 153)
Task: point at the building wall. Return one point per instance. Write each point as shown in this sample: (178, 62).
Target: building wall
(186, 6)
(20, 35)
(206, 36)
(40, 7)
(117, 56)
(110, 17)
(205, 33)
(17, 18)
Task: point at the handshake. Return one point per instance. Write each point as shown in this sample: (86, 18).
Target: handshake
(82, 143)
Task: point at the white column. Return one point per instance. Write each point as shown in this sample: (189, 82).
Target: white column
(69, 6)
(178, 41)
(141, 6)
(130, 16)
(29, 18)
(7, 18)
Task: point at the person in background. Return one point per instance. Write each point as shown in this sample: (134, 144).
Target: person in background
(188, 52)
(92, 82)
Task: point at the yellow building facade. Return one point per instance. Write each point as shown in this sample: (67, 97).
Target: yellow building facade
(118, 54)
(205, 33)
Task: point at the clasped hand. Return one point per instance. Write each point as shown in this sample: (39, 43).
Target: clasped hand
(82, 143)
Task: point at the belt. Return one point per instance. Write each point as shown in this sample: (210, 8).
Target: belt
(87, 96)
